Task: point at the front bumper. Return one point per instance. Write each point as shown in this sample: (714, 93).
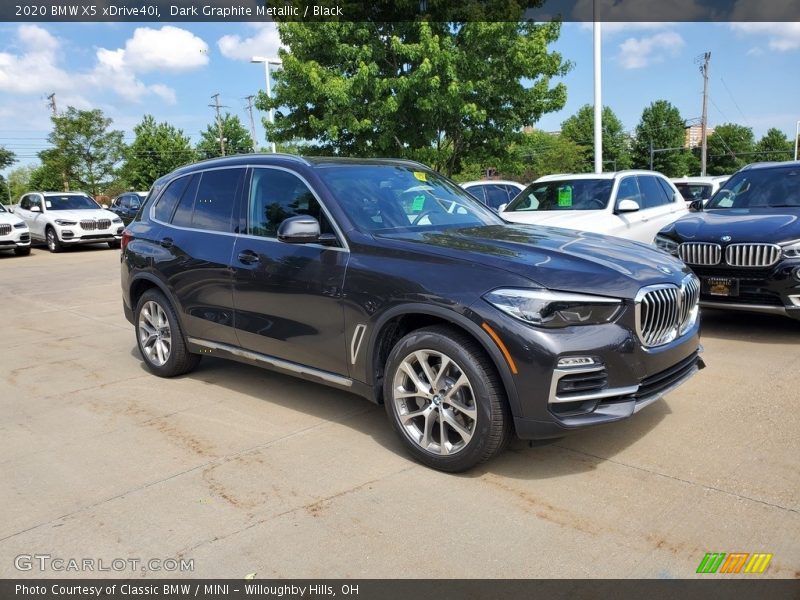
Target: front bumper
(18, 238)
(551, 401)
(69, 236)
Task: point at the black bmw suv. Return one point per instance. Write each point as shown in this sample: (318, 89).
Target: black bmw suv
(745, 244)
(383, 278)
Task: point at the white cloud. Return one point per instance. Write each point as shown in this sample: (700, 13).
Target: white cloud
(637, 53)
(264, 42)
(37, 67)
(614, 27)
(166, 49)
(781, 36)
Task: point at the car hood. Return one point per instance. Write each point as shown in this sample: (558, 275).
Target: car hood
(78, 215)
(583, 220)
(553, 258)
(9, 219)
(769, 225)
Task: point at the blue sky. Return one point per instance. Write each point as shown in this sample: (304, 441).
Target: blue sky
(171, 71)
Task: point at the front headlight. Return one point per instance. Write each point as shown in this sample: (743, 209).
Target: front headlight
(667, 245)
(116, 220)
(20, 225)
(65, 222)
(791, 249)
(545, 308)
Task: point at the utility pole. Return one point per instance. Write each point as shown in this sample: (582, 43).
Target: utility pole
(52, 103)
(252, 122)
(216, 106)
(704, 124)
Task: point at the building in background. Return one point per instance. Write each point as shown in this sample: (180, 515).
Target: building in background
(694, 136)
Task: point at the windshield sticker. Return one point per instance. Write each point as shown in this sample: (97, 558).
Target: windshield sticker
(418, 204)
(565, 197)
(420, 175)
(726, 202)
(48, 204)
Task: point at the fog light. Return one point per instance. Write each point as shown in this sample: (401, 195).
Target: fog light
(795, 300)
(576, 361)
(67, 234)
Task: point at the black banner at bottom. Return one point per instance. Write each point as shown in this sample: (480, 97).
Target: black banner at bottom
(396, 589)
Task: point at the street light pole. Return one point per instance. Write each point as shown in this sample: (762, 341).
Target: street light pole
(267, 62)
(796, 140)
(598, 99)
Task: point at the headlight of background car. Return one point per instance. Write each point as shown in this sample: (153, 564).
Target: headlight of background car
(667, 245)
(546, 308)
(65, 223)
(116, 220)
(792, 249)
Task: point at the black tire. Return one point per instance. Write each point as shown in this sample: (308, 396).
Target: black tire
(115, 245)
(179, 360)
(52, 241)
(491, 429)
(22, 251)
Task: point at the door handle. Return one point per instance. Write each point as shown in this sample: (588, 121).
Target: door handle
(248, 257)
(166, 242)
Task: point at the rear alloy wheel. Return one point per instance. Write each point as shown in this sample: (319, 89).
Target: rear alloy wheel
(445, 399)
(159, 336)
(53, 243)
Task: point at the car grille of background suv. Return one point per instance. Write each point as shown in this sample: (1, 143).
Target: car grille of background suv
(664, 312)
(697, 253)
(5, 229)
(88, 225)
(752, 255)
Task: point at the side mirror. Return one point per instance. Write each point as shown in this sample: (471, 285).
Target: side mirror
(36, 208)
(696, 205)
(627, 205)
(301, 229)
(502, 207)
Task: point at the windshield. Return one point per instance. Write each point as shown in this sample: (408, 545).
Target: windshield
(70, 203)
(564, 194)
(694, 191)
(760, 188)
(394, 197)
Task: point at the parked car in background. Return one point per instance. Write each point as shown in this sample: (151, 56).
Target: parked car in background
(62, 219)
(494, 193)
(127, 205)
(629, 204)
(699, 188)
(745, 244)
(465, 327)
(14, 233)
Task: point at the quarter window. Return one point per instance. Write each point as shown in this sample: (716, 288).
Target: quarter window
(652, 193)
(275, 196)
(183, 214)
(169, 199)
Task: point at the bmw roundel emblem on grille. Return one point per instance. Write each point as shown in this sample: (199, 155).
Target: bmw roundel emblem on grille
(664, 270)
(725, 238)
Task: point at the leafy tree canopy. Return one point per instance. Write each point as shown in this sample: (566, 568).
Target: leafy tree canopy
(661, 129)
(237, 139)
(579, 129)
(730, 148)
(157, 149)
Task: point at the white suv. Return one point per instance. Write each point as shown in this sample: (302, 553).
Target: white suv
(629, 204)
(14, 234)
(68, 218)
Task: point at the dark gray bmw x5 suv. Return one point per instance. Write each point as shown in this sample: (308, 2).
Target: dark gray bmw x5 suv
(383, 278)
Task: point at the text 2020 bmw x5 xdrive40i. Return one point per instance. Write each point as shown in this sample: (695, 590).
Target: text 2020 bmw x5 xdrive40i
(386, 279)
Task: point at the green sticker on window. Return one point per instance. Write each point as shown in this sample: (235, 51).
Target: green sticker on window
(418, 204)
(565, 197)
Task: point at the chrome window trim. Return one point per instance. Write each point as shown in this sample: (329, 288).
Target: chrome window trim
(340, 235)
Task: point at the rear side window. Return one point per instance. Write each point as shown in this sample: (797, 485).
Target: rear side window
(496, 195)
(169, 199)
(652, 193)
(216, 195)
(667, 189)
(477, 191)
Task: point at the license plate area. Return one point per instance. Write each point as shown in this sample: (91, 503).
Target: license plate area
(721, 286)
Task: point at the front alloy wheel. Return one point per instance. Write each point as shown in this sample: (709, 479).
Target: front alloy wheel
(444, 397)
(53, 243)
(435, 402)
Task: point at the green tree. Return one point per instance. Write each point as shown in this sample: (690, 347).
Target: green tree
(85, 152)
(7, 158)
(730, 148)
(438, 92)
(157, 149)
(579, 129)
(19, 181)
(545, 153)
(48, 176)
(237, 138)
(661, 129)
(775, 145)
